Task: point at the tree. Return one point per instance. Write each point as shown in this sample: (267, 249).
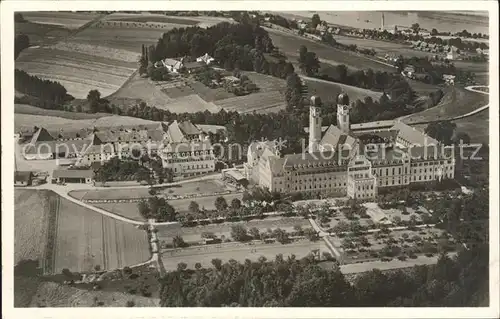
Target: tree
(194, 207)
(293, 92)
(255, 233)
(93, 98)
(235, 204)
(178, 242)
(442, 131)
(220, 204)
(18, 17)
(144, 209)
(434, 32)
(239, 233)
(311, 234)
(281, 235)
(315, 20)
(415, 27)
(21, 42)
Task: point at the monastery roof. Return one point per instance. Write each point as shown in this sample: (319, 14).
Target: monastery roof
(188, 128)
(73, 147)
(334, 137)
(174, 133)
(204, 145)
(412, 135)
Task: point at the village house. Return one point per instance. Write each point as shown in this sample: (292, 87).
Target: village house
(83, 176)
(449, 79)
(23, 178)
(453, 54)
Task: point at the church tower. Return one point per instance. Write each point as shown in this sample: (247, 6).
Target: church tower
(314, 124)
(343, 112)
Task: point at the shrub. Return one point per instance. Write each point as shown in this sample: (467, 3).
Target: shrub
(133, 276)
(130, 303)
(402, 257)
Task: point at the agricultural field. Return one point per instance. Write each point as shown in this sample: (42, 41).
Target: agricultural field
(69, 20)
(86, 239)
(33, 110)
(193, 234)
(31, 218)
(289, 44)
(76, 67)
(456, 102)
(128, 210)
(253, 102)
(239, 252)
(41, 33)
(383, 47)
(25, 122)
(65, 235)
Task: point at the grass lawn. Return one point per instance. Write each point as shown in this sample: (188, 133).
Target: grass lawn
(239, 252)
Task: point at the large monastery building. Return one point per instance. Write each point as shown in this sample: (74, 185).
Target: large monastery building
(344, 161)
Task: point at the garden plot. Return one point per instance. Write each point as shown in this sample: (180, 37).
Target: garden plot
(193, 234)
(253, 102)
(379, 215)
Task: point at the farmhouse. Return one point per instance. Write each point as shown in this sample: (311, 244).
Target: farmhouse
(207, 59)
(173, 65)
(342, 162)
(193, 67)
(73, 176)
(23, 178)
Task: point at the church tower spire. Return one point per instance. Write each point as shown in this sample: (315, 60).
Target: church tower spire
(314, 124)
(343, 109)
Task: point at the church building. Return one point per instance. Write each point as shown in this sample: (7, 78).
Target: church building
(350, 162)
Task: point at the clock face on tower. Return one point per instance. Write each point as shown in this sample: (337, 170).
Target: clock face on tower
(316, 111)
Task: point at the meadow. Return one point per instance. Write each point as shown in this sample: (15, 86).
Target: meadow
(33, 292)
(456, 102)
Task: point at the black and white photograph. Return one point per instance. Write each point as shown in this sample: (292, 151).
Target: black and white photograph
(251, 158)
